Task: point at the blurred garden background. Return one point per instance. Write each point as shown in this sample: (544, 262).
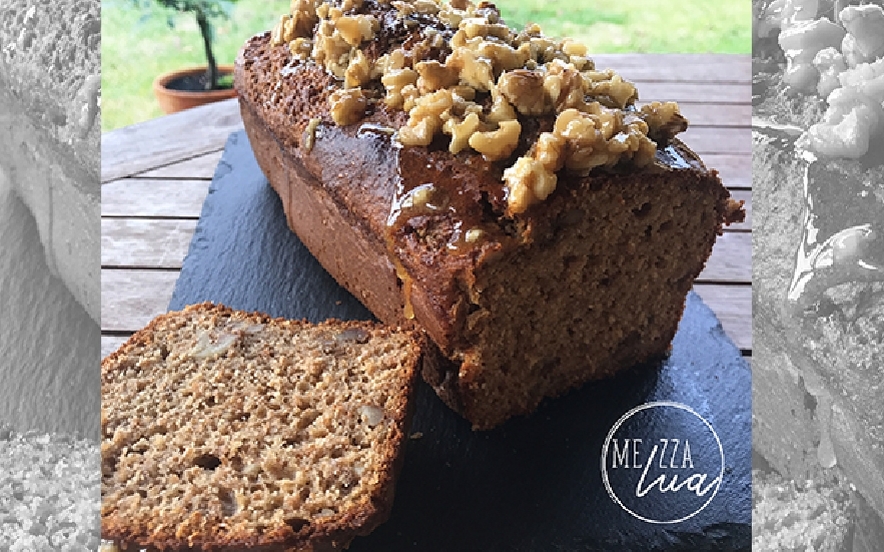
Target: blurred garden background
(138, 45)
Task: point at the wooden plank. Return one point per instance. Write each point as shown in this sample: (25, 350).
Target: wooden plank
(732, 305)
(746, 196)
(679, 67)
(159, 142)
(202, 166)
(141, 197)
(731, 259)
(735, 168)
(720, 115)
(695, 92)
(707, 140)
(145, 243)
(110, 343)
(132, 298)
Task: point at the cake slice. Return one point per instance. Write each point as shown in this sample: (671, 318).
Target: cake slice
(224, 430)
(489, 186)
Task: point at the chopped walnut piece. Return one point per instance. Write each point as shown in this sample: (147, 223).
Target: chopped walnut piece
(394, 81)
(573, 48)
(301, 48)
(502, 56)
(564, 86)
(609, 88)
(501, 110)
(356, 29)
(349, 5)
(479, 26)
(830, 63)
(434, 75)
(473, 235)
(664, 120)
(304, 17)
(410, 94)
(358, 71)
(545, 50)
(425, 119)
(524, 90)
(330, 49)
(425, 7)
(527, 182)
(347, 106)
(474, 71)
(461, 131)
(310, 133)
(412, 7)
(497, 144)
(282, 32)
(465, 92)
(550, 151)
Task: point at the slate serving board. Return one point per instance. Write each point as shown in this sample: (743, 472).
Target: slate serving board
(534, 483)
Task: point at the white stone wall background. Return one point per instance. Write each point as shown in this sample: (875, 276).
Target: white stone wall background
(50, 491)
(49, 346)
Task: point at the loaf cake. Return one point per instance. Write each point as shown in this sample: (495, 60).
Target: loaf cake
(50, 130)
(818, 252)
(490, 187)
(232, 431)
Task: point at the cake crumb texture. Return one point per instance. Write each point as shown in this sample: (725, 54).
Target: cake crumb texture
(50, 63)
(49, 494)
(231, 431)
(787, 516)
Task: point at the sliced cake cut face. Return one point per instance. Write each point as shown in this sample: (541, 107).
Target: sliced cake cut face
(231, 431)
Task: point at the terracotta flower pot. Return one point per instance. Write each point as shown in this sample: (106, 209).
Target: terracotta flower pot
(173, 101)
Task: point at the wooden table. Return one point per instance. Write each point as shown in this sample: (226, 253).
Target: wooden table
(155, 176)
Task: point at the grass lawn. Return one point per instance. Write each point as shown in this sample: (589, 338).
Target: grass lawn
(136, 48)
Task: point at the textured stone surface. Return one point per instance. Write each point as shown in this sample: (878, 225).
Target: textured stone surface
(49, 345)
(50, 131)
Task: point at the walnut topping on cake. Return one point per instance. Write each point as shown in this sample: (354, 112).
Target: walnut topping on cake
(463, 73)
(838, 55)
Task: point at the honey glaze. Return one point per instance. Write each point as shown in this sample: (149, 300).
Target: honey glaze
(814, 385)
(671, 158)
(841, 238)
(450, 210)
(371, 129)
(423, 199)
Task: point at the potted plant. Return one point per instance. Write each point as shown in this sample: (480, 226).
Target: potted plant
(185, 88)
